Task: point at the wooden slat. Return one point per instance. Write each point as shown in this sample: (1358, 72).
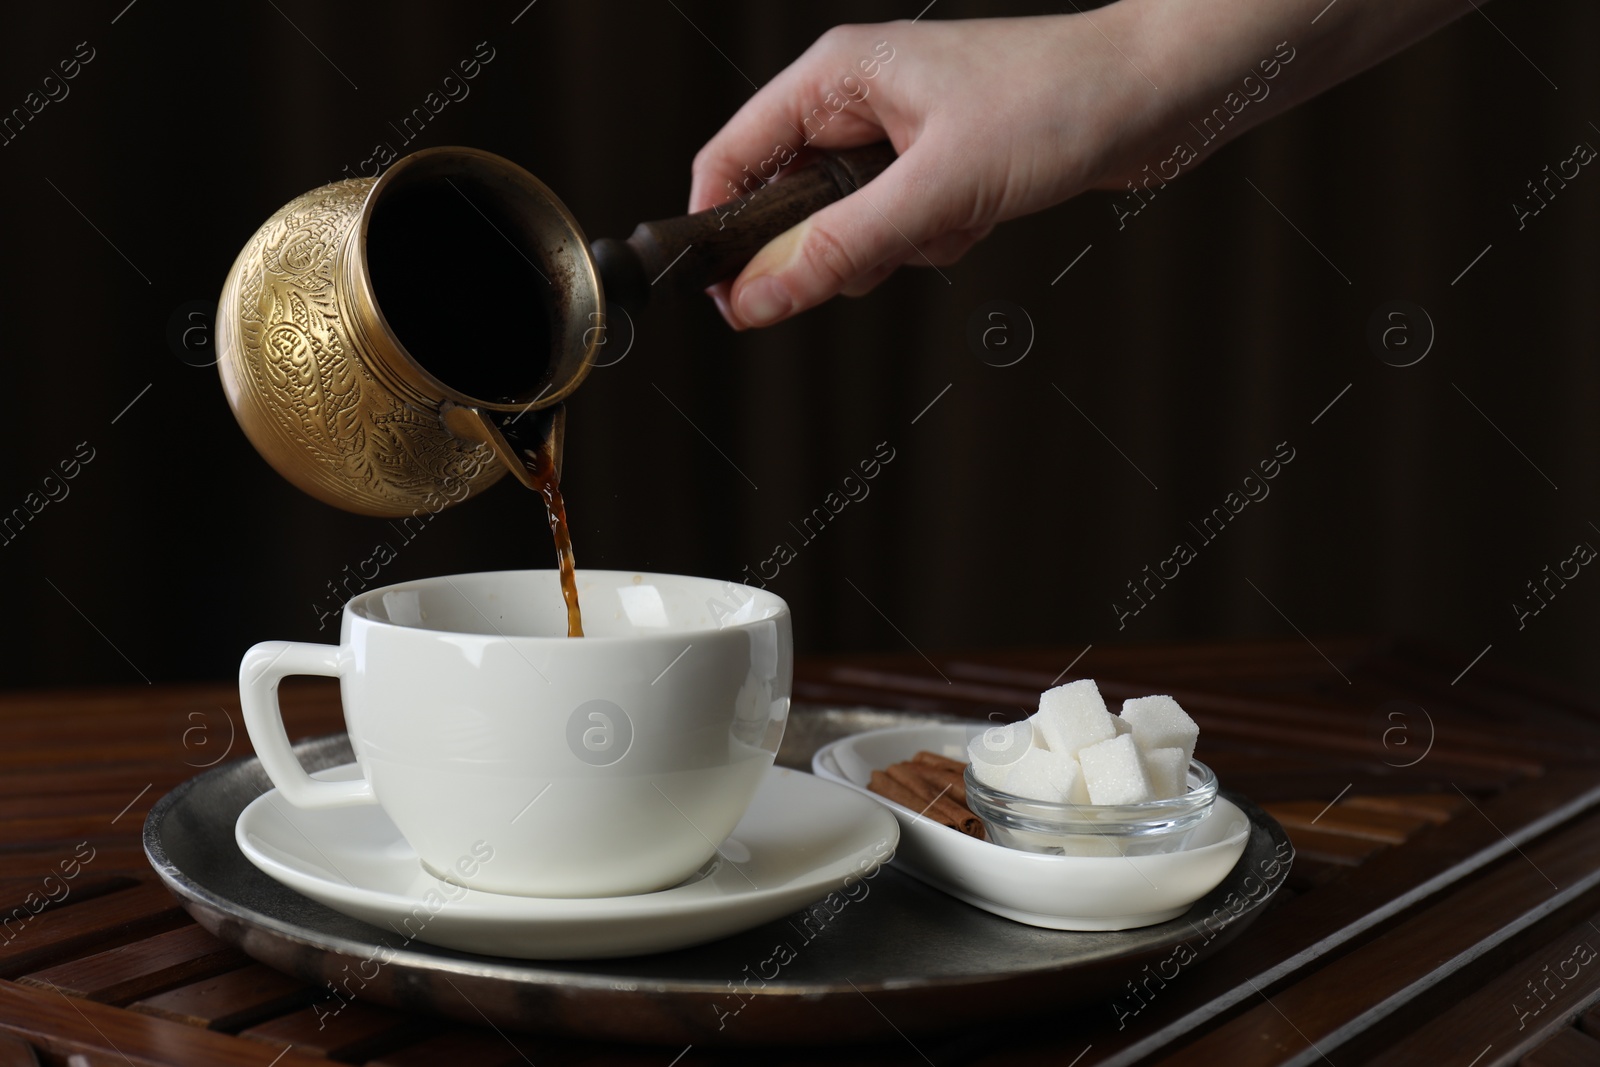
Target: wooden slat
(144, 738)
(75, 827)
(1263, 782)
(1558, 726)
(108, 920)
(16, 1053)
(1161, 665)
(72, 702)
(65, 750)
(43, 780)
(339, 1029)
(1475, 769)
(1389, 827)
(1514, 1008)
(101, 725)
(90, 1059)
(60, 1026)
(99, 803)
(1380, 977)
(1290, 942)
(1568, 1048)
(73, 705)
(129, 971)
(1545, 717)
(1431, 807)
(1282, 670)
(110, 854)
(1313, 725)
(1340, 849)
(480, 1048)
(1589, 1022)
(41, 893)
(1309, 873)
(1326, 773)
(230, 1001)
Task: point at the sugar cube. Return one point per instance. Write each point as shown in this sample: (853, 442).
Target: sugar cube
(1044, 775)
(1168, 771)
(1073, 716)
(1114, 773)
(993, 775)
(1074, 790)
(1158, 722)
(996, 751)
(1122, 725)
(1038, 735)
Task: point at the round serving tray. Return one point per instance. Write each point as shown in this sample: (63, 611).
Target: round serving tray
(892, 954)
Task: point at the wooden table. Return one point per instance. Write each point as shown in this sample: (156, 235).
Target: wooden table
(1444, 906)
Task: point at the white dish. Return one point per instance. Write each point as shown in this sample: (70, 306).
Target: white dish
(801, 839)
(1058, 892)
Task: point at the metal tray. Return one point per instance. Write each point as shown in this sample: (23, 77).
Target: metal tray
(894, 955)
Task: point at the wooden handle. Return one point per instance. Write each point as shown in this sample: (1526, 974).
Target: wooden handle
(691, 252)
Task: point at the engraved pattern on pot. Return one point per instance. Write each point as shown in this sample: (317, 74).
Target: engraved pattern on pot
(300, 363)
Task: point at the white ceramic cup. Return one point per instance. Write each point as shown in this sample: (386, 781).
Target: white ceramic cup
(517, 760)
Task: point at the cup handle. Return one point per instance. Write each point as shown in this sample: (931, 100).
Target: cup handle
(262, 668)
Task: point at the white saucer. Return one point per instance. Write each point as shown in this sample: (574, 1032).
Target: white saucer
(801, 839)
(1058, 892)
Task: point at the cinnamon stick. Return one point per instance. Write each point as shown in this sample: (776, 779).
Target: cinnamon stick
(953, 780)
(885, 786)
(903, 784)
(945, 763)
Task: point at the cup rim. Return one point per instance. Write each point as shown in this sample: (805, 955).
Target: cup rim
(774, 609)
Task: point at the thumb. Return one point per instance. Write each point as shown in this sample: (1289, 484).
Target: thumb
(833, 249)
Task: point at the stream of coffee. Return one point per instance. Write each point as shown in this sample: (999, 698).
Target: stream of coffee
(429, 226)
(541, 465)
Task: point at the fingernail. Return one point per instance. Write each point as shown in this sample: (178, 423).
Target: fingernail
(724, 309)
(763, 301)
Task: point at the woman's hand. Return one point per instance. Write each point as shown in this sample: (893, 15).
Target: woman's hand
(996, 118)
(992, 119)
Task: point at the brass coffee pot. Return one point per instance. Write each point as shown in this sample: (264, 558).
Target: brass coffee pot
(373, 398)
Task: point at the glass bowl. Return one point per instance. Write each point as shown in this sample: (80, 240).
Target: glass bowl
(1144, 829)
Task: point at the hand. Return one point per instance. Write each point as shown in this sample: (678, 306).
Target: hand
(992, 119)
(996, 118)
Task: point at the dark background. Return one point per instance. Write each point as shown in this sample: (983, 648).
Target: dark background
(1196, 339)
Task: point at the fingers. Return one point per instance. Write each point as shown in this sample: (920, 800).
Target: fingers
(939, 252)
(945, 249)
(719, 296)
(838, 245)
(873, 278)
(850, 248)
(822, 99)
(832, 97)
